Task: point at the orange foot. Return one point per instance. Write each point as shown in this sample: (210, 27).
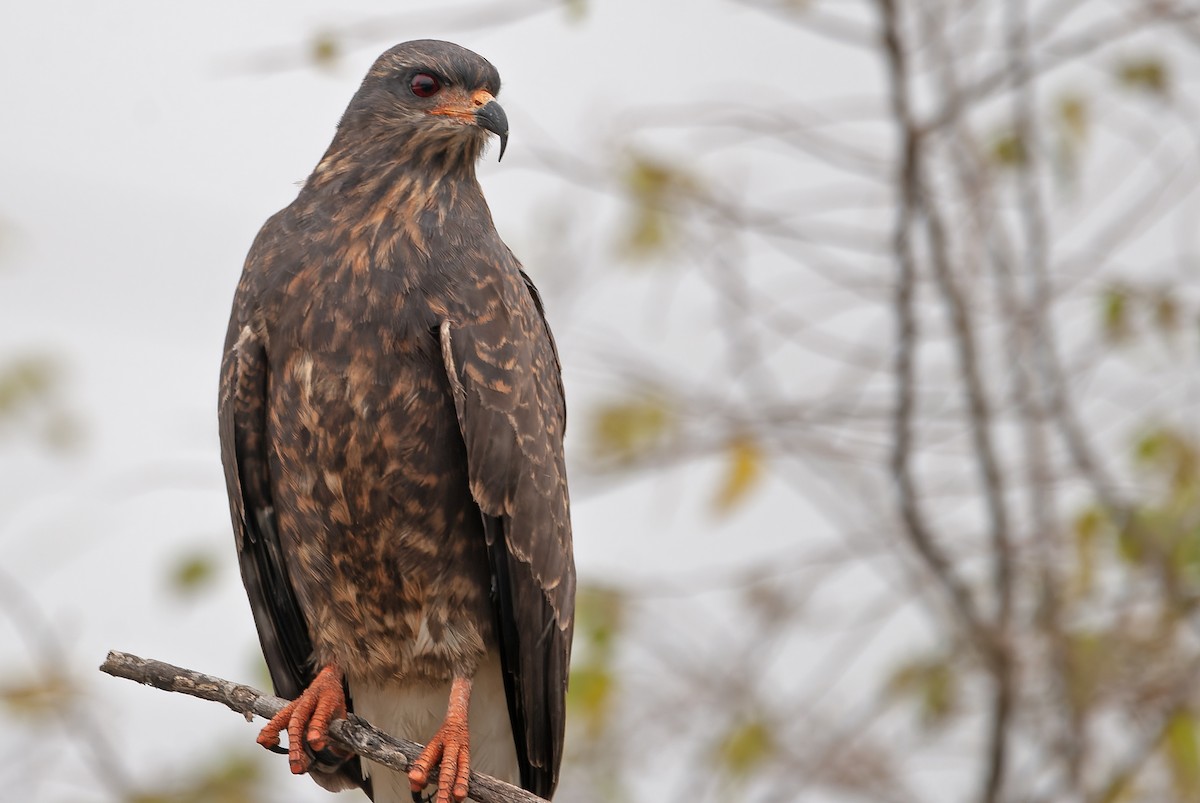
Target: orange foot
(449, 748)
(318, 705)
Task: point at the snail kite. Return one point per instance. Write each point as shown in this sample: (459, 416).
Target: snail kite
(391, 420)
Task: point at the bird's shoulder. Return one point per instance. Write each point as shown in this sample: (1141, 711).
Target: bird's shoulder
(266, 252)
(493, 288)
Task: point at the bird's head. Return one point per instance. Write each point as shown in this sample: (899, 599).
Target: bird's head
(434, 99)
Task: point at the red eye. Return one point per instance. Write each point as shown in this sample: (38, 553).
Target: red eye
(424, 85)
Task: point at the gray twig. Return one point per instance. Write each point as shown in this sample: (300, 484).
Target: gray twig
(354, 733)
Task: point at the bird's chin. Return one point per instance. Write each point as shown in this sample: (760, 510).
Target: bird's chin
(473, 145)
(450, 143)
(471, 141)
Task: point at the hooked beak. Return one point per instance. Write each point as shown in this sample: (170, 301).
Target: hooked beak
(491, 117)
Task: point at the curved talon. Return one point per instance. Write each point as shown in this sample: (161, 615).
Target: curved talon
(307, 720)
(449, 750)
(450, 753)
(268, 737)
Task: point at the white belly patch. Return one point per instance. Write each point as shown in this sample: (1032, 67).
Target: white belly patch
(415, 711)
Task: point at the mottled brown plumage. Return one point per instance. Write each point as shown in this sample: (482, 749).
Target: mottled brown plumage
(392, 415)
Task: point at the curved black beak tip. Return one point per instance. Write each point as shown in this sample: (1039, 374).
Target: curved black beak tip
(491, 117)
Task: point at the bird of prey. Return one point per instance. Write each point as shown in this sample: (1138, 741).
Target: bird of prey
(391, 420)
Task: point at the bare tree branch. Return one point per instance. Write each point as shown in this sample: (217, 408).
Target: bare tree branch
(903, 450)
(354, 733)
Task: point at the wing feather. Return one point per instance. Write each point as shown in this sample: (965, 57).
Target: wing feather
(242, 421)
(506, 379)
(281, 624)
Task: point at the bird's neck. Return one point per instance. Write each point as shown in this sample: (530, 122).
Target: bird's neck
(363, 162)
(410, 206)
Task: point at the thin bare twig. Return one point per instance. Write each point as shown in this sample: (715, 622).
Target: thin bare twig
(917, 204)
(1033, 332)
(916, 527)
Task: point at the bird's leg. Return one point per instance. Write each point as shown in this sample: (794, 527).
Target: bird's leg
(449, 749)
(307, 720)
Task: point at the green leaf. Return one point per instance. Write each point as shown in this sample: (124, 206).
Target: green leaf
(590, 696)
(599, 619)
(1146, 74)
(1115, 313)
(654, 189)
(325, 49)
(743, 472)
(26, 380)
(1151, 446)
(1182, 751)
(625, 431)
(576, 9)
(193, 572)
(648, 232)
(1170, 454)
(1119, 788)
(1009, 151)
(37, 696)
(1130, 547)
(1071, 121)
(1166, 312)
(1086, 529)
(746, 747)
(933, 684)
(1088, 654)
(1072, 112)
(1185, 557)
(649, 178)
